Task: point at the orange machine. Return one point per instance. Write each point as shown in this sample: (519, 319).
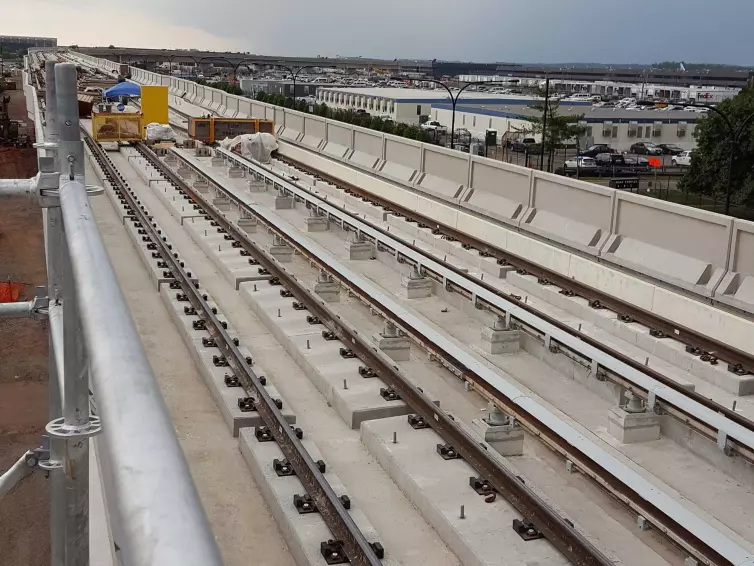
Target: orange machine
(211, 130)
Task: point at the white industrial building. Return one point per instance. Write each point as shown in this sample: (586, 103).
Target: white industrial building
(408, 104)
(697, 93)
(616, 127)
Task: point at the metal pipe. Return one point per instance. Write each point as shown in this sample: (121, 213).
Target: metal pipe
(52, 221)
(544, 125)
(76, 382)
(154, 497)
(51, 102)
(17, 187)
(16, 310)
(15, 474)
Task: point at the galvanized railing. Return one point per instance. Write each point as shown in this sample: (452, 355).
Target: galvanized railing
(153, 508)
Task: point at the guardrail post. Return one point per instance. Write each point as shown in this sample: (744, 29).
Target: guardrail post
(75, 420)
(54, 250)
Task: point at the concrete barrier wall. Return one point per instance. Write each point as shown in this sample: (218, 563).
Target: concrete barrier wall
(686, 246)
(699, 251)
(445, 172)
(570, 212)
(737, 287)
(498, 190)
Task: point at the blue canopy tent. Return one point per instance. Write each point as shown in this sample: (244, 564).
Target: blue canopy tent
(122, 89)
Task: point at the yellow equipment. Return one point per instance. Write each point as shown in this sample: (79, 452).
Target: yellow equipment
(116, 127)
(210, 130)
(154, 106)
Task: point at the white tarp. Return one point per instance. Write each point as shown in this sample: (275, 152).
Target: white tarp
(255, 146)
(159, 132)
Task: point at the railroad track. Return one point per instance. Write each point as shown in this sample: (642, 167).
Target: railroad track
(738, 361)
(731, 430)
(558, 530)
(330, 506)
(669, 517)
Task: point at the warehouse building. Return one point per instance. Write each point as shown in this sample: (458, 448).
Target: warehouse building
(251, 87)
(408, 105)
(615, 89)
(618, 128)
(20, 44)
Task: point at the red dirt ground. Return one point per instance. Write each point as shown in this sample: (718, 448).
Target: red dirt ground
(24, 527)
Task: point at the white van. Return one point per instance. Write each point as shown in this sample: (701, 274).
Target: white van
(579, 97)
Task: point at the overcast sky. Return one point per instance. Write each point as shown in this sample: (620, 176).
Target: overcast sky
(641, 31)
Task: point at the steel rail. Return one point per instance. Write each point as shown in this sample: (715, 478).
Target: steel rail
(558, 530)
(742, 361)
(337, 518)
(714, 420)
(681, 526)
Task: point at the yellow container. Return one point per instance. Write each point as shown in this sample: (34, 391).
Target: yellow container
(110, 127)
(154, 105)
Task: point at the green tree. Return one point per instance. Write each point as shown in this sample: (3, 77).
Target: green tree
(261, 96)
(708, 174)
(560, 129)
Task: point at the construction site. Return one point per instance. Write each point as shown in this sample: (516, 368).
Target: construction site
(238, 333)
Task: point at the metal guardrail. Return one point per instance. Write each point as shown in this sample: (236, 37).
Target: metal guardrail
(155, 513)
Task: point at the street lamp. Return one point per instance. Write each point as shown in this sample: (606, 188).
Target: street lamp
(735, 136)
(294, 75)
(454, 100)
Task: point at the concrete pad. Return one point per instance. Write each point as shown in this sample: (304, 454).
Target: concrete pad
(630, 428)
(353, 397)
(156, 274)
(226, 398)
(439, 487)
(302, 533)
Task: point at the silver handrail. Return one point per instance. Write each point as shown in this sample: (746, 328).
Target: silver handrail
(155, 511)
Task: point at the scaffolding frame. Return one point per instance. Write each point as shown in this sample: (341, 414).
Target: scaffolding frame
(152, 506)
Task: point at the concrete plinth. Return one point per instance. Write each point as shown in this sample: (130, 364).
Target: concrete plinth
(235, 172)
(283, 253)
(500, 341)
(360, 250)
(202, 151)
(201, 185)
(255, 186)
(329, 291)
(317, 224)
(185, 172)
(283, 203)
(397, 348)
(302, 533)
(221, 203)
(438, 488)
(248, 224)
(416, 288)
(507, 440)
(629, 428)
(217, 161)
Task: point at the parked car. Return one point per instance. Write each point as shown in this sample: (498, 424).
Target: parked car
(683, 159)
(646, 148)
(525, 145)
(434, 126)
(610, 161)
(580, 162)
(595, 150)
(670, 148)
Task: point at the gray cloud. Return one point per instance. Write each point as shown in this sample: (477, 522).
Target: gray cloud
(481, 30)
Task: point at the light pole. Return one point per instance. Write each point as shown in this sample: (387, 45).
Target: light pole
(294, 75)
(454, 100)
(735, 136)
(544, 124)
